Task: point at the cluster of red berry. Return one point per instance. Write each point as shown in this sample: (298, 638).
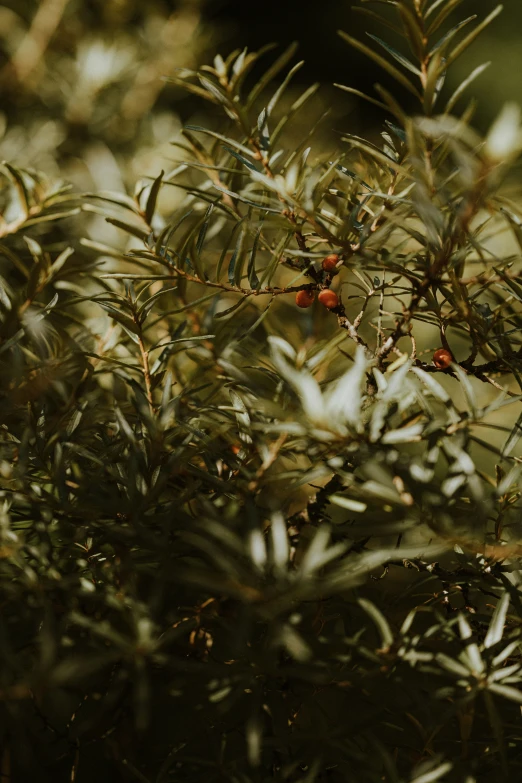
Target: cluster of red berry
(442, 358)
(328, 298)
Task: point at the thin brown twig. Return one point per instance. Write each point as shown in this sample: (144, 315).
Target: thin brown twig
(268, 461)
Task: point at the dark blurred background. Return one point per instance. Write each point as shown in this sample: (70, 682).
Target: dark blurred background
(83, 89)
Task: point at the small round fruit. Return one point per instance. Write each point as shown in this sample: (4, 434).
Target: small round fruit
(304, 298)
(328, 298)
(442, 358)
(330, 262)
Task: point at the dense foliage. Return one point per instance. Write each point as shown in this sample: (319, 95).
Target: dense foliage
(260, 468)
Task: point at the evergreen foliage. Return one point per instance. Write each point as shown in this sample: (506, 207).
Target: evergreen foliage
(260, 470)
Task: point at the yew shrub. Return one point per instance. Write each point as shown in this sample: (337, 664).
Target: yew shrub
(260, 467)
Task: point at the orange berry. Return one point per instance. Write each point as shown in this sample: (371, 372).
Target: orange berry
(304, 298)
(330, 262)
(442, 358)
(328, 298)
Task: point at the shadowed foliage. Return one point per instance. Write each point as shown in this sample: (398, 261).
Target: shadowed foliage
(259, 455)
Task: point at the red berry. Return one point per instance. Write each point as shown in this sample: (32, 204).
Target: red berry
(442, 358)
(330, 262)
(328, 298)
(304, 298)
